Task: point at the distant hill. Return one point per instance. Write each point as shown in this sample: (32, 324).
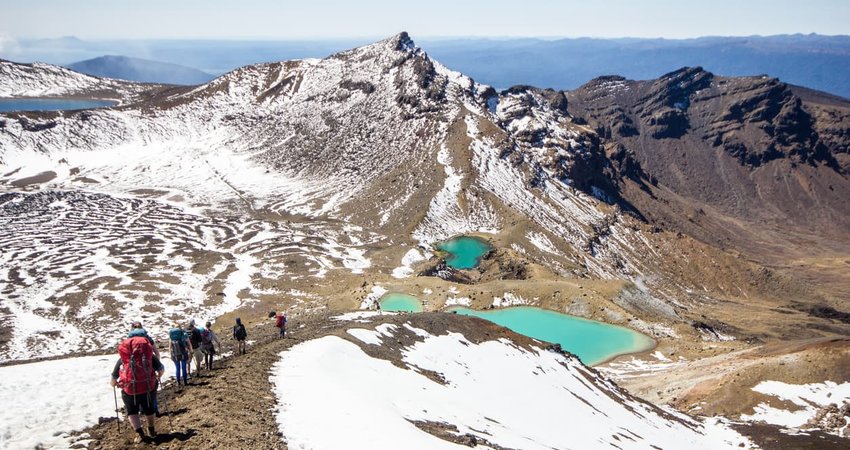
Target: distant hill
(135, 69)
(815, 61)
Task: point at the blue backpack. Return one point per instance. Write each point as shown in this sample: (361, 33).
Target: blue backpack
(179, 345)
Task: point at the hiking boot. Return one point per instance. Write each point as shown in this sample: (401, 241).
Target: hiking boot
(140, 436)
(152, 433)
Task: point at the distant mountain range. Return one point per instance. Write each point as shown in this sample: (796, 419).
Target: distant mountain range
(143, 70)
(814, 61)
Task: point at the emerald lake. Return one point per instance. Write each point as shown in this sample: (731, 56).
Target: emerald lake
(395, 301)
(593, 342)
(464, 252)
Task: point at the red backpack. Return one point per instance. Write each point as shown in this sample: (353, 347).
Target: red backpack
(281, 321)
(137, 374)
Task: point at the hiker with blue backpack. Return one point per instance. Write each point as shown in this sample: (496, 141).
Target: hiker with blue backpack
(209, 343)
(137, 373)
(240, 334)
(181, 350)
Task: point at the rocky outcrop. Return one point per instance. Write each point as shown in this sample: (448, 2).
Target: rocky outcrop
(751, 150)
(832, 419)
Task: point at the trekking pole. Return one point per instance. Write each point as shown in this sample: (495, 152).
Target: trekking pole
(117, 419)
(165, 406)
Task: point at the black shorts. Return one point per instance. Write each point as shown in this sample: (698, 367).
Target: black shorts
(143, 403)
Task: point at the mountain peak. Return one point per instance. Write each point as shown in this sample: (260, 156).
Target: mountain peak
(402, 41)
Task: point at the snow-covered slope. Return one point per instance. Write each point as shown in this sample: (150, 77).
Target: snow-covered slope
(448, 391)
(375, 144)
(47, 80)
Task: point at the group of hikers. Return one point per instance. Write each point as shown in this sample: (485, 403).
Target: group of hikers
(139, 367)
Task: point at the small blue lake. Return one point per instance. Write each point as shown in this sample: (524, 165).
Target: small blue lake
(395, 301)
(50, 104)
(465, 252)
(593, 342)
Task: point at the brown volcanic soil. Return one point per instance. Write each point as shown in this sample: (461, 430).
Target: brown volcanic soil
(722, 384)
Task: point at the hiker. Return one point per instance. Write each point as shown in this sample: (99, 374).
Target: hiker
(195, 342)
(137, 372)
(209, 342)
(239, 333)
(136, 329)
(280, 323)
(181, 351)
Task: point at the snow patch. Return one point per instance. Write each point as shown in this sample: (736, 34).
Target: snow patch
(371, 337)
(508, 299)
(410, 258)
(462, 301)
(44, 401)
(371, 300)
(372, 402)
(809, 397)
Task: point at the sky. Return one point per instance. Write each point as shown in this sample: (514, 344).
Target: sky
(329, 19)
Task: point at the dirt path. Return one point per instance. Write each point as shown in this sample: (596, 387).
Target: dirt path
(231, 407)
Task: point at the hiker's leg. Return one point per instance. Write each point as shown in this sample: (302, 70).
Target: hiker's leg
(132, 404)
(154, 403)
(177, 370)
(199, 359)
(149, 410)
(185, 366)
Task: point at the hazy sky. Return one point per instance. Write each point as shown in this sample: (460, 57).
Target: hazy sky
(285, 19)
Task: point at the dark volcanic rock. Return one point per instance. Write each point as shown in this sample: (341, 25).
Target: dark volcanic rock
(749, 150)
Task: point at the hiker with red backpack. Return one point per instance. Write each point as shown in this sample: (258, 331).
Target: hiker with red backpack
(137, 372)
(209, 342)
(136, 329)
(280, 323)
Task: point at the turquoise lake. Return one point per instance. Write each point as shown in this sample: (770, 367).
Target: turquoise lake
(49, 104)
(593, 342)
(395, 301)
(464, 252)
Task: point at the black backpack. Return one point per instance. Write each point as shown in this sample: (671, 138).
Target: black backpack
(239, 332)
(195, 338)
